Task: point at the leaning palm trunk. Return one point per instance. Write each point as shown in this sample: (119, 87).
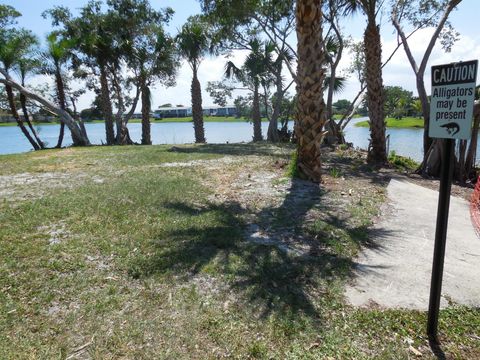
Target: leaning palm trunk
(197, 110)
(146, 107)
(375, 97)
(256, 117)
(20, 124)
(82, 138)
(106, 106)
(23, 103)
(61, 100)
(310, 117)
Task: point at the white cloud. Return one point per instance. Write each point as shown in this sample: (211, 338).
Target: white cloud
(211, 69)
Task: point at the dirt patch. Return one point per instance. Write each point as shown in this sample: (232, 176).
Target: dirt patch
(213, 163)
(57, 233)
(27, 186)
(277, 208)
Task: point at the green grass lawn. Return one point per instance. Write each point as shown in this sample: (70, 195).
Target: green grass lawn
(136, 252)
(338, 116)
(406, 122)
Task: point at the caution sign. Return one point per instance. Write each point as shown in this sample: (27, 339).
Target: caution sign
(451, 104)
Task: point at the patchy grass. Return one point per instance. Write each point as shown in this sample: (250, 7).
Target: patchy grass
(154, 261)
(406, 122)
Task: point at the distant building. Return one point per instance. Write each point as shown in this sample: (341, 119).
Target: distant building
(173, 112)
(228, 110)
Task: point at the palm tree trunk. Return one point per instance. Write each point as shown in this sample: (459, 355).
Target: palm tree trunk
(106, 106)
(257, 120)
(272, 133)
(13, 108)
(61, 135)
(79, 121)
(197, 110)
(310, 117)
(23, 102)
(61, 100)
(146, 107)
(375, 93)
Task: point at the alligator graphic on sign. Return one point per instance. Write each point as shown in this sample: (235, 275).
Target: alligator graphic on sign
(452, 128)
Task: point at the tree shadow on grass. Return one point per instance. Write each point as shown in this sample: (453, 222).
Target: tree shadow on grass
(271, 278)
(186, 249)
(356, 167)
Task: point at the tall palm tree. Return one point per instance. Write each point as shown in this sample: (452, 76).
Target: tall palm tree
(284, 56)
(255, 72)
(93, 33)
(194, 43)
(153, 56)
(373, 62)
(310, 118)
(54, 58)
(156, 62)
(26, 66)
(14, 44)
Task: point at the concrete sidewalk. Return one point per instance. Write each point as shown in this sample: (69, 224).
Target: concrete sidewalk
(396, 271)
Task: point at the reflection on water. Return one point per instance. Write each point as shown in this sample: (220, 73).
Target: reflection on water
(407, 142)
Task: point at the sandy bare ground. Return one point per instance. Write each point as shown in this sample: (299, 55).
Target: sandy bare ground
(25, 186)
(396, 271)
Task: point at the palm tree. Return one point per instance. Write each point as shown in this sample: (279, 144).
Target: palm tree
(255, 72)
(284, 56)
(194, 43)
(310, 118)
(25, 66)
(152, 55)
(156, 62)
(373, 61)
(93, 35)
(54, 58)
(14, 44)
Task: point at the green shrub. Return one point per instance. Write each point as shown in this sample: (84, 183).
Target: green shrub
(402, 162)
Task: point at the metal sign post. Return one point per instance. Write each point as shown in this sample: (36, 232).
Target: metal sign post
(440, 238)
(451, 112)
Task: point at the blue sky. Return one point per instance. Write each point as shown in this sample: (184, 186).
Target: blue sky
(31, 11)
(398, 72)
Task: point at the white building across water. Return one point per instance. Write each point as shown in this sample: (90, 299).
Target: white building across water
(183, 111)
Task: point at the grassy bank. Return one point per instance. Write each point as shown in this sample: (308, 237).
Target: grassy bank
(338, 116)
(406, 122)
(195, 252)
(169, 120)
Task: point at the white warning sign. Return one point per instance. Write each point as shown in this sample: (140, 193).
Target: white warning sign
(451, 104)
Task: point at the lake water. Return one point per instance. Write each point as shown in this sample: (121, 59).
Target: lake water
(407, 142)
